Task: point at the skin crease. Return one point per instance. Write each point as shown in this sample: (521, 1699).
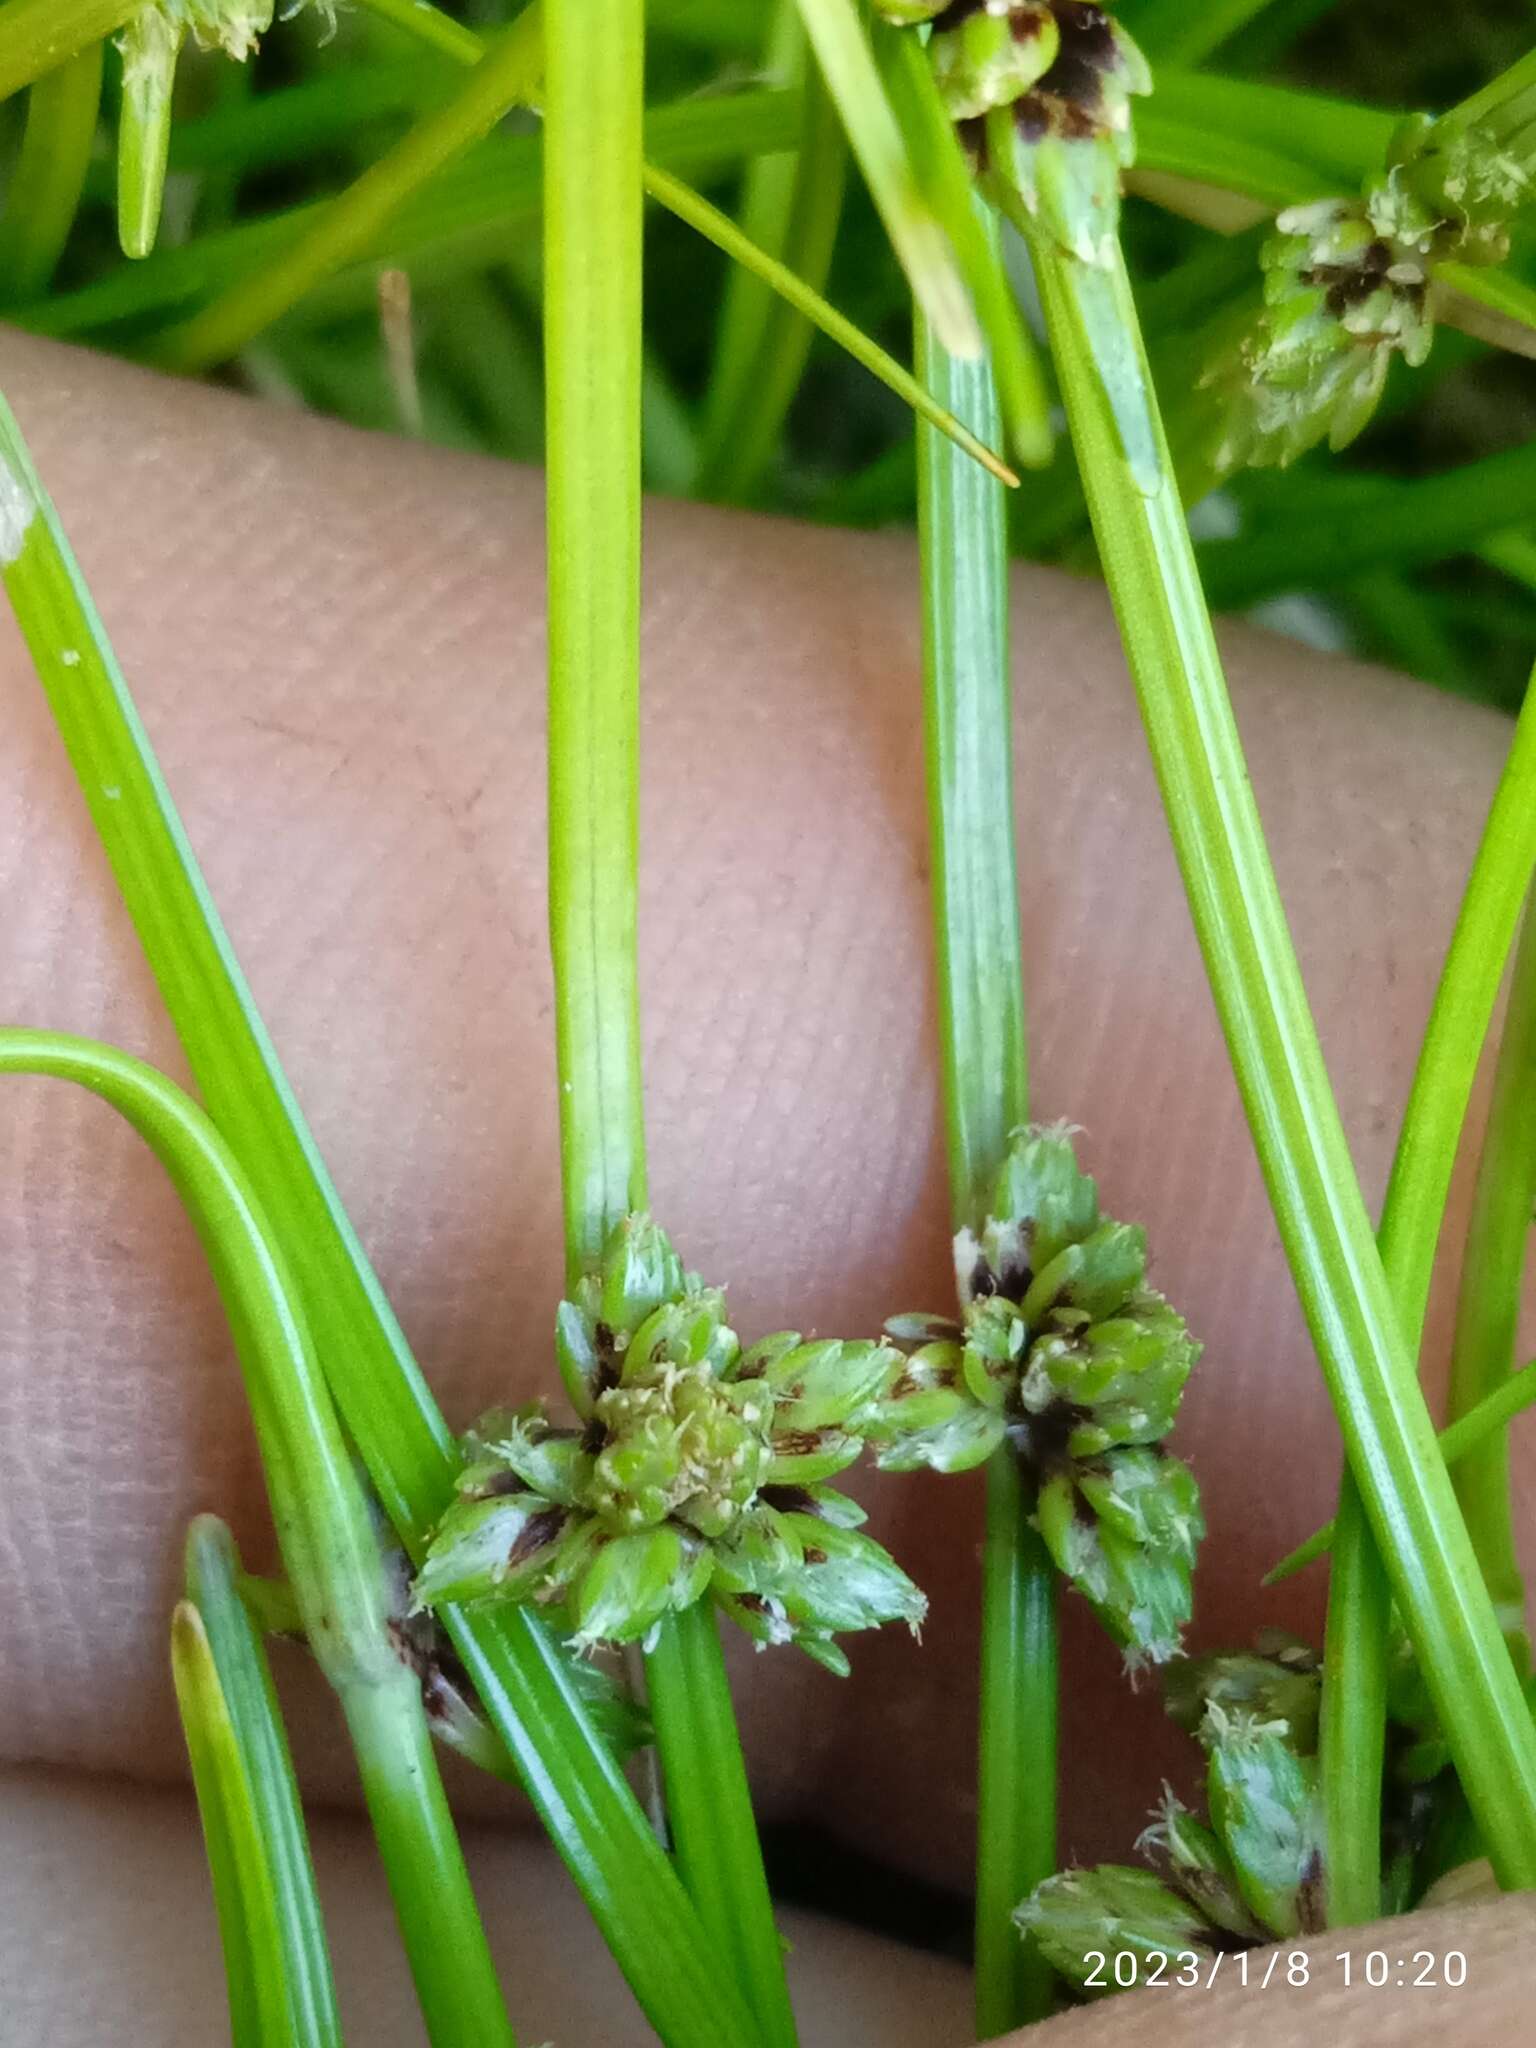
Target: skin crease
(336, 643)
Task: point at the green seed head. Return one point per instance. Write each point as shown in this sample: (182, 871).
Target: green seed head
(1264, 1808)
(697, 1469)
(1113, 1910)
(989, 55)
(1055, 155)
(233, 26)
(1279, 1684)
(679, 1443)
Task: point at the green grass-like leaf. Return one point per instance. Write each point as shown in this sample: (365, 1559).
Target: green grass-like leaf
(595, 180)
(968, 742)
(1251, 964)
(522, 1676)
(49, 175)
(261, 1794)
(1357, 1645)
(790, 209)
(37, 36)
(327, 1540)
(842, 50)
(1458, 1440)
(255, 1963)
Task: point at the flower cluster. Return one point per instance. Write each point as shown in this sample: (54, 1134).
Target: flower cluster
(695, 1469)
(1250, 1873)
(1041, 91)
(1347, 286)
(233, 26)
(1066, 1355)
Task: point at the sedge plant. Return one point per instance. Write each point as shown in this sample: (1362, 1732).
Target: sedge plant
(546, 1589)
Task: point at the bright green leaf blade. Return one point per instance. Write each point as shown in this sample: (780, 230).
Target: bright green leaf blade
(1491, 305)
(1474, 1429)
(254, 1959)
(464, 218)
(1177, 32)
(520, 1673)
(721, 229)
(506, 76)
(44, 192)
(1491, 1291)
(1250, 961)
(843, 52)
(1023, 393)
(791, 206)
(325, 1531)
(36, 36)
(1338, 141)
(245, 1680)
(430, 25)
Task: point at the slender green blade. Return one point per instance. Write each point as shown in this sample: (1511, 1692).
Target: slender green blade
(1023, 393)
(254, 1959)
(1491, 1293)
(341, 231)
(44, 193)
(1335, 536)
(1457, 1441)
(325, 1530)
(36, 36)
(710, 1811)
(790, 209)
(461, 219)
(569, 1771)
(244, 1678)
(968, 743)
(848, 66)
(1250, 961)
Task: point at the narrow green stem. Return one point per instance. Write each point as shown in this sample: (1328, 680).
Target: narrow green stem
(429, 25)
(1357, 1649)
(255, 1983)
(1251, 964)
(1352, 1720)
(1491, 1416)
(428, 1882)
(522, 1676)
(37, 36)
(45, 187)
(1016, 1767)
(214, 1587)
(710, 1809)
(593, 215)
(1488, 1307)
(764, 339)
(593, 367)
(968, 729)
(324, 1530)
(720, 229)
(507, 75)
(968, 734)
